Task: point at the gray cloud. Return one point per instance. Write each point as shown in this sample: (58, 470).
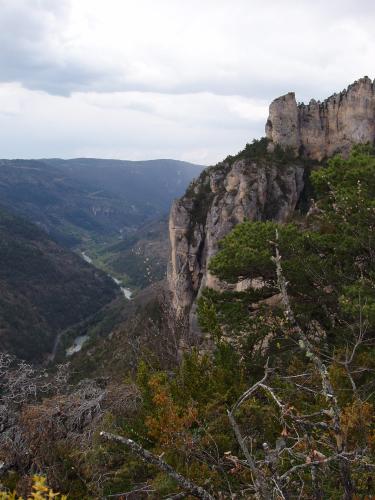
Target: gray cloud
(32, 47)
(167, 70)
(229, 48)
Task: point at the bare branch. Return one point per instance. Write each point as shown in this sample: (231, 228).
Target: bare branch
(252, 389)
(327, 387)
(186, 484)
(314, 463)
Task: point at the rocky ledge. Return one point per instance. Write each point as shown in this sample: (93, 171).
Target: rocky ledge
(320, 129)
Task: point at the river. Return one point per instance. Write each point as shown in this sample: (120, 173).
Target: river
(81, 339)
(77, 344)
(126, 291)
(86, 257)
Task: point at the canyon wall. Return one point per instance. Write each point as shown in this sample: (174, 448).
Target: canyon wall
(264, 188)
(222, 197)
(320, 129)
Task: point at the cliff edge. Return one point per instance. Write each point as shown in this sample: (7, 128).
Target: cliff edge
(265, 181)
(223, 196)
(318, 130)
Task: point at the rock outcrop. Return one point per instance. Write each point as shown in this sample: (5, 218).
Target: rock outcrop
(222, 197)
(265, 186)
(320, 129)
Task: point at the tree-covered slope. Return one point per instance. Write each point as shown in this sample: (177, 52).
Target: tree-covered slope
(43, 288)
(148, 186)
(277, 402)
(89, 199)
(139, 258)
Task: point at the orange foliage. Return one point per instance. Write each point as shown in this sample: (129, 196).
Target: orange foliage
(169, 424)
(357, 421)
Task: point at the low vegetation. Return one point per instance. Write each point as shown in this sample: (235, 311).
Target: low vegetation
(278, 402)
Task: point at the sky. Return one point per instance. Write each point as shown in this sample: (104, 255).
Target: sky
(184, 79)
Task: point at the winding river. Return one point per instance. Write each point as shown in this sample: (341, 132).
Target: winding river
(126, 291)
(81, 339)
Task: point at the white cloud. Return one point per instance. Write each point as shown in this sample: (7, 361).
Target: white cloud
(11, 98)
(190, 78)
(132, 125)
(194, 109)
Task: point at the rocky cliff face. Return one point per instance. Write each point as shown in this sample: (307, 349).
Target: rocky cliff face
(261, 186)
(222, 197)
(320, 129)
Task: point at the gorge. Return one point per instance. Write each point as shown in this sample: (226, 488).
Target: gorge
(264, 330)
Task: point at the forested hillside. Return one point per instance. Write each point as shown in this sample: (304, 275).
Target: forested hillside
(276, 402)
(113, 210)
(147, 186)
(139, 258)
(90, 200)
(43, 288)
(294, 356)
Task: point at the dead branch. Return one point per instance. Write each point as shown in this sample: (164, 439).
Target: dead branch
(147, 456)
(327, 387)
(252, 389)
(314, 463)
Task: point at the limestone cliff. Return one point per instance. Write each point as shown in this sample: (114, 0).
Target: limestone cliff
(320, 129)
(265, 181)
(222, 197)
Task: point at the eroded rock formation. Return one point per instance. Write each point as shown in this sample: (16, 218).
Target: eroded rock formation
(261, 189)
(222, 197)
(320, 129)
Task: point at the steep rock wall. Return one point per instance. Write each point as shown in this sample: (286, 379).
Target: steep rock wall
(268, 189)
(320, 129)
(222, 197)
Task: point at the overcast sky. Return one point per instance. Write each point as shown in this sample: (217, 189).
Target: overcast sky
(184, 79)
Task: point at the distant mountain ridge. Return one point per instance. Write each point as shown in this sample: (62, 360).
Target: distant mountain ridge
(79, 199)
